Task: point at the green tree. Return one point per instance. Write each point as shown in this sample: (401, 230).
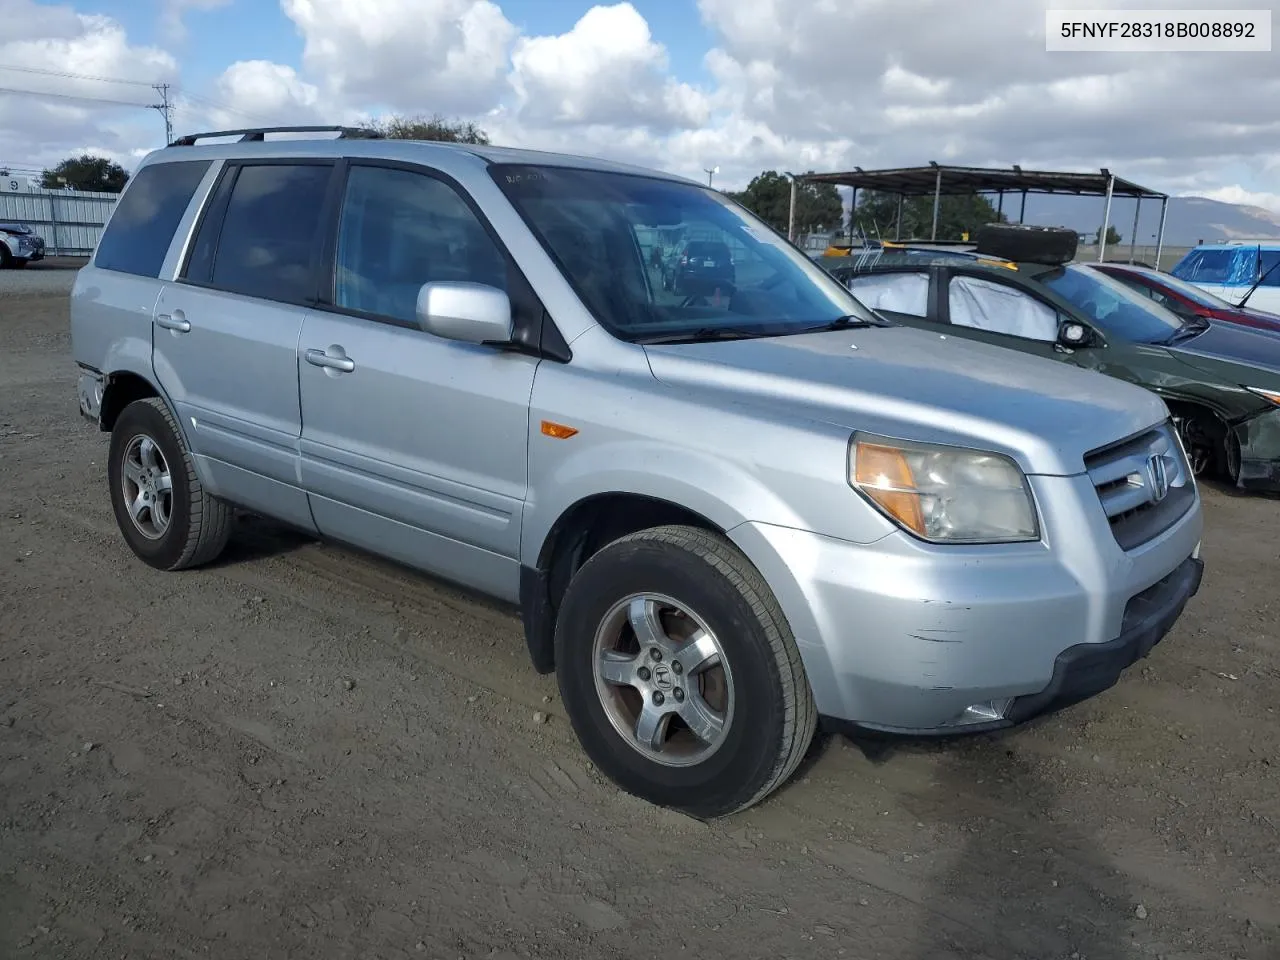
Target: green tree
(768, 196)
(1113, 235)
(86, 172)
(877, 215)
(434, 127)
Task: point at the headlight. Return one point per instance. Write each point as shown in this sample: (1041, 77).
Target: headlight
(944, 494)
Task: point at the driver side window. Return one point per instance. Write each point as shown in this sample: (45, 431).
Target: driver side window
(1000, 308)
(400, 229)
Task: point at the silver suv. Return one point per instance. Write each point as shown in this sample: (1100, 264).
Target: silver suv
(726, 514)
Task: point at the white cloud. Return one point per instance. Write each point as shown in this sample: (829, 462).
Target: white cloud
(55, 50)
(173, 12)
(452, 55)
(606, 70)
(1248, 198)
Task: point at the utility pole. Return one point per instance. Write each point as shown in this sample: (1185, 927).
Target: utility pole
(165, 106)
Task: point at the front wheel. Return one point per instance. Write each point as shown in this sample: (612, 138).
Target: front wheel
(1205, 442)
(680, 674)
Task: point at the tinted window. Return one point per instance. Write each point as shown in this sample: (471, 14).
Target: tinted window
(703, 248)
(271, 227)
(1270, 259)
(399, 230)
(146, 215)
(1111, 305)
(601, 229)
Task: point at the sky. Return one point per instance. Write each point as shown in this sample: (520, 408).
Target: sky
(681, 85)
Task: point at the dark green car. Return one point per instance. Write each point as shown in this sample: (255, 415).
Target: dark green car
(1221, 381)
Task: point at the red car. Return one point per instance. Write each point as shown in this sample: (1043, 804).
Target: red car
(1186, 299)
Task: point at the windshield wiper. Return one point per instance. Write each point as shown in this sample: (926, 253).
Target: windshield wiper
(1257, 283)
(850, 321)
(1190, 328)
(703, 334)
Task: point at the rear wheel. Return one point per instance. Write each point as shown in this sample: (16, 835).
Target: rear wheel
(166, 516)
(680, 674)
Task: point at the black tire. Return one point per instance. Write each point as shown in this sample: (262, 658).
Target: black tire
(6, 258)
(1025, 243)
(1205, 439)
(774, 715)
(199, 524)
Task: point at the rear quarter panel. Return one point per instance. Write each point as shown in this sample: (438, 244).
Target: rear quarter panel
(111, 321)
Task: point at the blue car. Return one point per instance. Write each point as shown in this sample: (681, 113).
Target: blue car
(1232, 269)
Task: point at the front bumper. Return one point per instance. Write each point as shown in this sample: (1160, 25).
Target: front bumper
(90, 390)
(1087, 669)
(904, 638)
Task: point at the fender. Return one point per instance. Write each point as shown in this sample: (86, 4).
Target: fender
(723, 491)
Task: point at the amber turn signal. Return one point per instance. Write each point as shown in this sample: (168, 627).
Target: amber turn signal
(558, 430)
(884, 475)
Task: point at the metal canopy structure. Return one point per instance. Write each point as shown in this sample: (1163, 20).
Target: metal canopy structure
(939, 181)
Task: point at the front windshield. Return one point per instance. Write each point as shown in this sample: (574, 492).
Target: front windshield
(654, 258)
(1114, 307)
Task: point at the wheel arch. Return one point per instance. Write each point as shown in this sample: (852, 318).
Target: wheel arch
(581, 530)
(124, 386)
(121, 389)
(1226, 452)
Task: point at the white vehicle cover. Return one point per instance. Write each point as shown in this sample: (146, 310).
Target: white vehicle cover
(897, 292)
(986, 305)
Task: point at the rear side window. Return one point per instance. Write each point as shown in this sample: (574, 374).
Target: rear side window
(708, 249)
(270, 231)
(146, 215)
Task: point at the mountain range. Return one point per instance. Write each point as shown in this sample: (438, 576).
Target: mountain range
(1191, 220)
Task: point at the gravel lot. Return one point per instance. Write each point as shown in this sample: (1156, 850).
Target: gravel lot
(302, 752)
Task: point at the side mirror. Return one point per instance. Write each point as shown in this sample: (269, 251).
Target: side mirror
(1072, 334)
(470, 312)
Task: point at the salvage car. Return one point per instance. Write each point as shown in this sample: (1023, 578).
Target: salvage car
(19, 245)
(1018, 288)
(723, 520)
(1187, 299)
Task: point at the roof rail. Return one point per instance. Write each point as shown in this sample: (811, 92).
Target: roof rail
(255, 134)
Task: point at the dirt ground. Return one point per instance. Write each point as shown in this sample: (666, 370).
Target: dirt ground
(302, 752)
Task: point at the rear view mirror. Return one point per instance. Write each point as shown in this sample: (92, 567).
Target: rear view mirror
(1072, 334)
(470, 312)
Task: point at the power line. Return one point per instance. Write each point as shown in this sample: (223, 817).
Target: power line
(71, 96)
(73, 76)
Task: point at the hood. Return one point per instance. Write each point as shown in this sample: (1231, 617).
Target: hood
(927, 386)
(1225, 348)
(17, 229)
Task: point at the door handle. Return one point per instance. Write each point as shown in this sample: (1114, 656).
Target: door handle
(173, 322)
(319, 358)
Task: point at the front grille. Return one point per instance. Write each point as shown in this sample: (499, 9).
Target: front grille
(1127, 482)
